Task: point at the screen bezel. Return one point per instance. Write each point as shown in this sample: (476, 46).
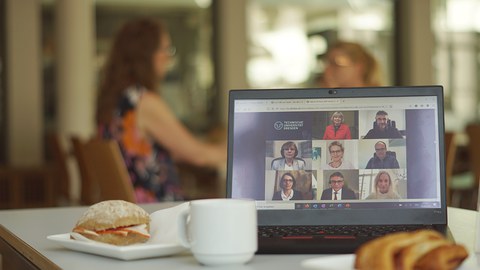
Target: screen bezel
(343, 216)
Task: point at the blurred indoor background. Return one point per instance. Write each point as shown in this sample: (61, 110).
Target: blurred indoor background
(52, 52)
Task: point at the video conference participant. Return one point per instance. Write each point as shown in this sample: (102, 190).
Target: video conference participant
(382, 159)
(337, 130)
(383, 188)
(337, 151)
(289, 160)
(337, 190)
(287, 191)
(382, 129)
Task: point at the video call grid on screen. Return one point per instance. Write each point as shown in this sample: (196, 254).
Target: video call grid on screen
(263, 126)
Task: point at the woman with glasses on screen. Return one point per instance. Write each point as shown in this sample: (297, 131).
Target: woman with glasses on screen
(287, 191)
(289, 159)
(337, 130)
(336, 151)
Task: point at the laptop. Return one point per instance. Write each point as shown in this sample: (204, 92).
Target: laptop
(330, 169)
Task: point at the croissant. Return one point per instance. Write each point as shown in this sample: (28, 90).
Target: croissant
(445, 257)
(419, 250)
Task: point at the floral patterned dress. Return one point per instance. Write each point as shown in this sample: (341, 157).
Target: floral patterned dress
(150, 166)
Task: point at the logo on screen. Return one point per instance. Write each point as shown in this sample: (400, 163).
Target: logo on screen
(278, 125)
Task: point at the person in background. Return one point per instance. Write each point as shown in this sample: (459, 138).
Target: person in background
(130, 111)
(337, 190)
(287, 190)
(289, 159)
(337, 130)
(383, 187)
(382, 159)
(349, 64)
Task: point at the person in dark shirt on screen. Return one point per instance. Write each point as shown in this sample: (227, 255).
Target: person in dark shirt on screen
(382, 159)
(383, 128)
(337, 190)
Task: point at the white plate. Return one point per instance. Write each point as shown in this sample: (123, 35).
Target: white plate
(342, 262)
(133, 252)
(334, 262)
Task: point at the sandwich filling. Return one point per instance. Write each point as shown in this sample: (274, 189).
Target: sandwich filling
(136, 229)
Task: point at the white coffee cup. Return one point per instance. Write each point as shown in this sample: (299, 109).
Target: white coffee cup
(219, 231)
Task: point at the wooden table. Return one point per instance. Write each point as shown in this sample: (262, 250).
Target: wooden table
(23, 244)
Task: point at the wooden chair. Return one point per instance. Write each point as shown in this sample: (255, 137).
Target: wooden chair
(59, 157)
(29, 187)
(199, 182)
(43, 185)
(450, 152)
(89, 192)
(105, 170)
(473, 132)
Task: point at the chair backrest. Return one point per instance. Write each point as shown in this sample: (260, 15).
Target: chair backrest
(473, 132)
(59, 157)
(450, 152)
(105, 169)
(389, 153)
(280, 158)
(390, 123)
(89, 191)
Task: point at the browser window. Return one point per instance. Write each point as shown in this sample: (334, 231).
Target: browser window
(337, 153)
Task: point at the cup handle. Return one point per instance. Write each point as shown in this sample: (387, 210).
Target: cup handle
(182, 227)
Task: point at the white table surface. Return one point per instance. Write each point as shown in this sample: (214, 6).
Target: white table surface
(34, 225)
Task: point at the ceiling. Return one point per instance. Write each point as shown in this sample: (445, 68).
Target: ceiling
(146, 3)
(312, 8)
(318, 5)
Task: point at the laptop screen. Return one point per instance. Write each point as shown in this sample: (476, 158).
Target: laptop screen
(338, 150)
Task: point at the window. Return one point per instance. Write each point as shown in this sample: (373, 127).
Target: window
(457, 59)
(189, 86)
(289, 38)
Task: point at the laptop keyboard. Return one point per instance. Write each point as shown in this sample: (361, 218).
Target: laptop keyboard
(334, 232)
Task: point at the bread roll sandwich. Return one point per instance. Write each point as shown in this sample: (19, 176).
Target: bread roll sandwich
(114, 222)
